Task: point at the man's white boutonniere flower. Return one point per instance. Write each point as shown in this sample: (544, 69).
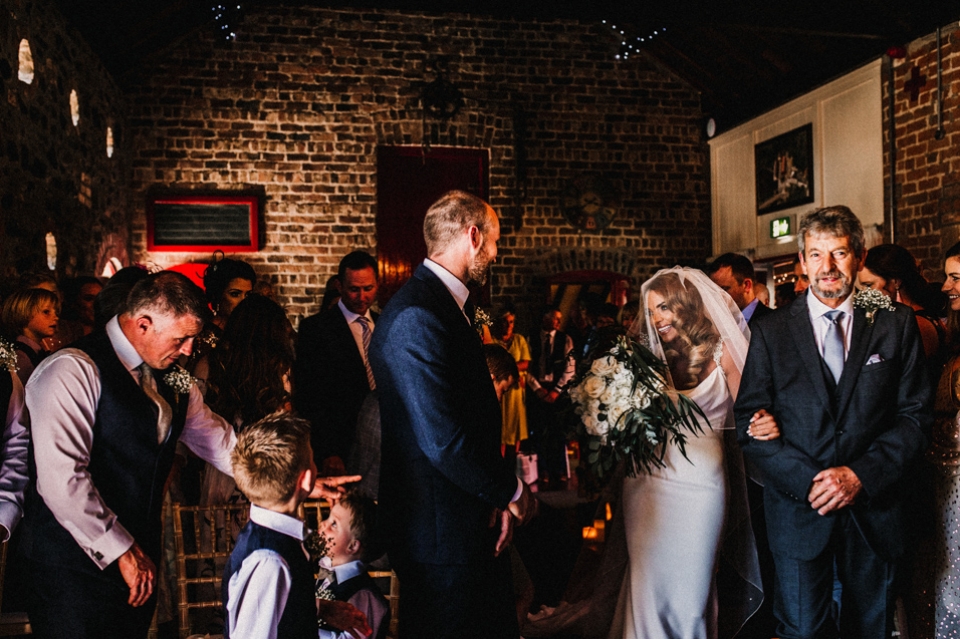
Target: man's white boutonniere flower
(480, 318)
(872, 301)
(179, 380)
(8, 356)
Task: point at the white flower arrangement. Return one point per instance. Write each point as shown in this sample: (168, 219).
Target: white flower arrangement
(8, 356)
(179, 380)
(627, 411)
(872, 300)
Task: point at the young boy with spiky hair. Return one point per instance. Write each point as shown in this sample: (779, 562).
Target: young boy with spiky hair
(268, 581)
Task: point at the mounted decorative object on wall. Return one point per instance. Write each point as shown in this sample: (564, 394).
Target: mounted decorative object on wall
(784, 170)
(441, 99)
(188, 222)
(590, 202)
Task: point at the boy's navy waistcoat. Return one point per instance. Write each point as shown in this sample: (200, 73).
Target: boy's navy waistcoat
(299, 617)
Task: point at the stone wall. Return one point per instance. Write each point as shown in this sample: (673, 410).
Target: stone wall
(298, 104)
(927, 169)
(55, 176)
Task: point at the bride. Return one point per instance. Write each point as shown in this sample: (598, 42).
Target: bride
(686, 519)
(691, 569)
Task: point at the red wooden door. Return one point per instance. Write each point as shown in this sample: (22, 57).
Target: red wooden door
(408, 182)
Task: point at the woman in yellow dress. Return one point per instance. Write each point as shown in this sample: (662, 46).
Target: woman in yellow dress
(514, 410)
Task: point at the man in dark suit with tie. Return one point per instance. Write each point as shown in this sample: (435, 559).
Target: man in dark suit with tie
(734, 273)
(552, 367)
(448, 500)
(847, 387)
(333, 375)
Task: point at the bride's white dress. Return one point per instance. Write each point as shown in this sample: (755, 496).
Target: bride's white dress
(674, 518)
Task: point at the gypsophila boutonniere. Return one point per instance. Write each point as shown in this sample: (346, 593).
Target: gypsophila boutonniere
(480, 319)
(872, 301)
(8, 356)
(179, 380)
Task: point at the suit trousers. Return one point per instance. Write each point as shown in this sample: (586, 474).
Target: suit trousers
(804, 592)
(73, 604)
(468, 601)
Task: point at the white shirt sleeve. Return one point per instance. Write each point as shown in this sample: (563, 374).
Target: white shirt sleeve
(13, 459)
(258, 595)
(571, 368)
(207, 434)
(62, 397)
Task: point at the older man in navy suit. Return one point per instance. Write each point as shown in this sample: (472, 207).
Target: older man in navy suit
(448, 500)
(849, 392)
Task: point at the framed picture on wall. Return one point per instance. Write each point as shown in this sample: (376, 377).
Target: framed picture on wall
(784, 170)
(193, 222)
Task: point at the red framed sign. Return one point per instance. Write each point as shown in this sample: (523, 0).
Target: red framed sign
(203, 223)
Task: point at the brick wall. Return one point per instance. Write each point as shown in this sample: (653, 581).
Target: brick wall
(46, 162)
(927, 169)
(298, 104)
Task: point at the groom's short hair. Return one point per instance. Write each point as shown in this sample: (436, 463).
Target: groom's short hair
(447, 218)
(838, 221)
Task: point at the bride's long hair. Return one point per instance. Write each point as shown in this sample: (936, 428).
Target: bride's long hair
(698, 337)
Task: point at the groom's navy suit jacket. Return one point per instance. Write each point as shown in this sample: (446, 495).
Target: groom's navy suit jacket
(441, 471)
(876, 421)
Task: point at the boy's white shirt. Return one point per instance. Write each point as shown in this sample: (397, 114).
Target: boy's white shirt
(259, 589)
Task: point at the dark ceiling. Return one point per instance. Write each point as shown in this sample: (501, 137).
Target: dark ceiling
(745, 56)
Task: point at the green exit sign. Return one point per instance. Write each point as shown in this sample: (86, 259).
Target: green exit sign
(780, 227)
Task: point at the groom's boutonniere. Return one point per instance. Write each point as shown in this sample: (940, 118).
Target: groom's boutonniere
(480, 319)
(872, 301)
(179, 380)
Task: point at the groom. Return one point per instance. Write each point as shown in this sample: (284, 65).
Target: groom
(851, 397)
(448, 500)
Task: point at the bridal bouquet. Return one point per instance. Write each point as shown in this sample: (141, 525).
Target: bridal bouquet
(627, 411)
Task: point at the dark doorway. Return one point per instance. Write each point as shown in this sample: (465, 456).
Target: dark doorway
(408, 182)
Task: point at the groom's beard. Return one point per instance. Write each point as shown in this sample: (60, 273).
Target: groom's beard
(477, 273)
(846, 286)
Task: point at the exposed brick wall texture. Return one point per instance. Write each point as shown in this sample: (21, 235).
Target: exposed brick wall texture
(298, 104)
(927, 170)
(43, 156)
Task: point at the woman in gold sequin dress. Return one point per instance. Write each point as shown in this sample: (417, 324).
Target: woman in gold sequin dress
(933, 599)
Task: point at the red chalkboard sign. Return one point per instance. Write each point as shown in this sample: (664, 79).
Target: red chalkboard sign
(203, 223)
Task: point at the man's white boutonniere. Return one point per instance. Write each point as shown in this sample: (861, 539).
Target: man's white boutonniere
(179, 380)
(8, 356)
(872, 301)
(480, 319)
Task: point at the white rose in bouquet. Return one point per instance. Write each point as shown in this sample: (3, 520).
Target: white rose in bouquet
(604, 366)
(594, 386)
(609, 395)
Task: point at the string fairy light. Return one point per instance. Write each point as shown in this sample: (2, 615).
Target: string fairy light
(226, 19)
(630, 44)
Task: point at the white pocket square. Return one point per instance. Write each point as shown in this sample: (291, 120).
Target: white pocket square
(874, 359)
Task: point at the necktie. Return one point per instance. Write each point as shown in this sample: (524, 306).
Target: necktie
(366, 335)
(833, 344)
(149, 386)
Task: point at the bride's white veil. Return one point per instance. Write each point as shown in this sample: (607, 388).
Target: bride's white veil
(717, 306)
(587, 609)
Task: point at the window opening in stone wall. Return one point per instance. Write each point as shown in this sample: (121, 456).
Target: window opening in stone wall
(51, 252)
(109, 142)
(74, 107)
(25, 72)
(111, 267)
(86, 191)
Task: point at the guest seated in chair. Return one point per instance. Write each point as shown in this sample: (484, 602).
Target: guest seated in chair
(350, 531)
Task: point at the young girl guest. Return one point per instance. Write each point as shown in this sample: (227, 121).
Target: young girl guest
(30, 316)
